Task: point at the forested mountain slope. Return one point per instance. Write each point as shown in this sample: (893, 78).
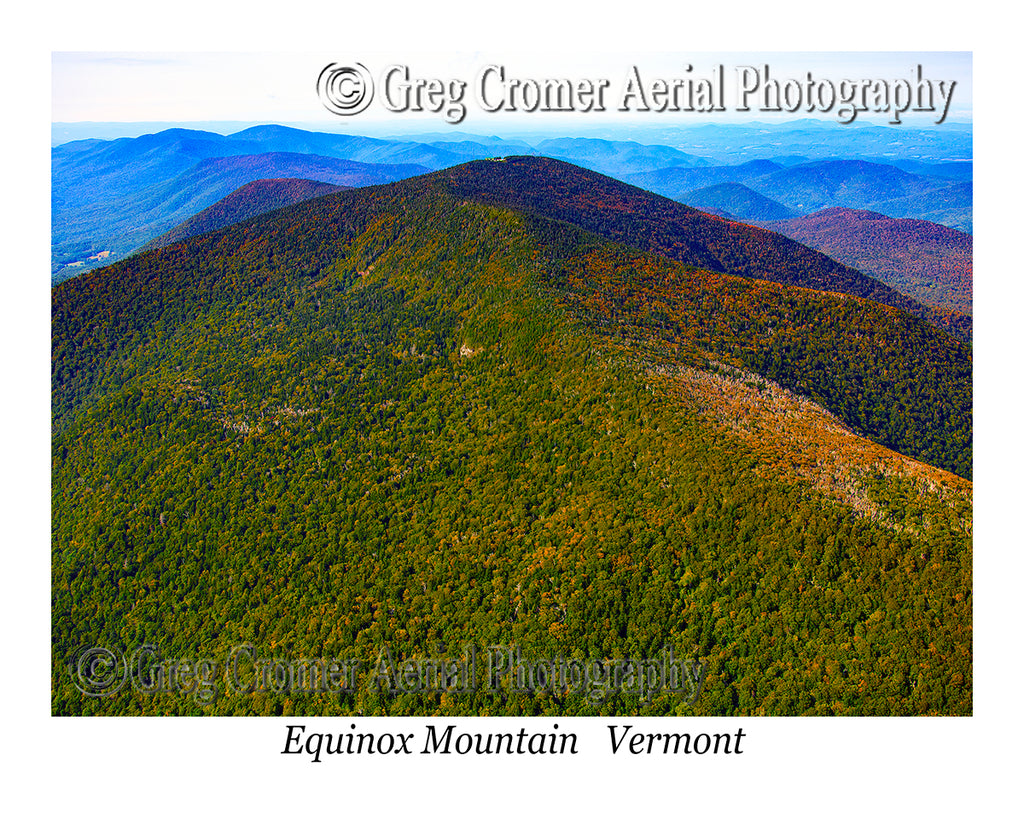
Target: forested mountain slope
(401, 416)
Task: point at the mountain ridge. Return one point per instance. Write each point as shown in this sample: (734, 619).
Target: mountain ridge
(661, 225)
(927, 261)
(811, 186)
(738, 201)
(534, 184)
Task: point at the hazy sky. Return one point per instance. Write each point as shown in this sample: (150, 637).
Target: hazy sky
(281, 87)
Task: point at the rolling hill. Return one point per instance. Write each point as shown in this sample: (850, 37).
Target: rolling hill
(952, 206)
(675, 182)
(615, 157)
(250, 200)
(928, 262)
(736, 200)
(418, 417)
(816, 185)
(945, 196)
(871, 186)
(817, 140)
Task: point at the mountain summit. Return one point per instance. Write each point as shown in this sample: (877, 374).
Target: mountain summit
(653, 223)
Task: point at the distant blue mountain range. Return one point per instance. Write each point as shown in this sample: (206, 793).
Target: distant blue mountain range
(112, 197)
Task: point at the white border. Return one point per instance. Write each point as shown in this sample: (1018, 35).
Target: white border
(835, 767)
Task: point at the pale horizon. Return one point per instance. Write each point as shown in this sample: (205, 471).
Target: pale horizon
(138, 87)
